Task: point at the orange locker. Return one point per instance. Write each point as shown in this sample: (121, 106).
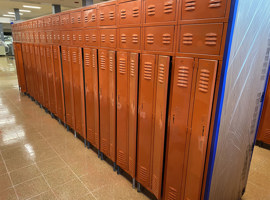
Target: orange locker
(264, 127)
(107, 92)
(51, 80)
(33, 72)
(108, 37)
(91, 95)
(76, 19)
(179, 105)
(127, 99)
(202, 9)
(91, 37)
(39, 75)
(20, 66)
(58, 83)
(25, 64)
(129, 13)
(206, 79)
(77, 38)
(201, 38)
(107, 14)
(152, 106)
(78, 90)
(65, 20)
(90, 17)
(68, 87)
(130, 38)
(44, 76)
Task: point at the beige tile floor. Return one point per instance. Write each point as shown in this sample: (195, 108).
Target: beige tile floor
(39, 159)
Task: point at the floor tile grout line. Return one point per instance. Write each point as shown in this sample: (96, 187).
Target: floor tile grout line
(9, 176)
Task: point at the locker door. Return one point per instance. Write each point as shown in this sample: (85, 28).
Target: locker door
(133, 110)
(25, 64)
(51, 82)
(68, 87)
(39, 75)
(33, 71)
(163, 69)
(107, 102)
(20, 67)
(129, 13)
(78, 90)
(90, 17)
(206, 79)
(145, 118)
(122, 110)
(91, 92)
(58, 83)
(177, 126)
(44, 76)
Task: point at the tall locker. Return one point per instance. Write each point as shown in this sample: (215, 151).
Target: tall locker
(44, 76)
(127, 99)
(78, 90)
(39, 74)
(177, 129)
(68, 87)
(91, 95)
(51, 79)
(34, 73)
(203, 100)
(58, 83)
(153, 92)
(31, 65)
(20, 66)
(25, 65)
(107, 78)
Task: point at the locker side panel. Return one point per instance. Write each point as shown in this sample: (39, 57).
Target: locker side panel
(58, 83)
(122, 110)
(145, 118)
(68, 87)
(133, 108)
(177, 126)
(112, 98)
(206, 79)
(163, 69)
(91, 92)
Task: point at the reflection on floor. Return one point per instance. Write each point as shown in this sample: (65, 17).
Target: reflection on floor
(39, 159)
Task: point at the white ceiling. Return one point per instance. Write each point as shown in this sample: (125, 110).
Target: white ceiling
(46, 7)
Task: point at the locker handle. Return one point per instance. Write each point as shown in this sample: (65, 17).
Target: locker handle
(173, 118)
(203, 131)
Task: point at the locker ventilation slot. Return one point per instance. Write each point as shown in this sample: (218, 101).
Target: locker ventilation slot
(111, 15)
(155, 184)
(122, 158)
(63, 37)
(74, 37)
(166, 38)
(123, 14)
(151, 10)
(94, 38)
(87, 37)
(72, 20)
(135, 38)
(190, 5)
(111, 63)
(112, 38)
(64, 55)
(102, 16)
(204, 80)
(172, 194)
(214, 3)
(87, 59)
(161, 72)
(188, 38)
(68, 38)
(103, 39)
(135, 12)
(148, 70)
(93, 59)
(79, 19)
(93, 18)
(168, 7)
(182, 79)
(123, 38)
(132, 68)
(122, 66)
(102, 62)
(86, 19)
(143, 174)
(80, 37)
(211, 39)
(74, 57)
(150, 39)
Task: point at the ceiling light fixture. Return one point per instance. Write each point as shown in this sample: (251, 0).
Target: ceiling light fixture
(12, 13)
(8, 15)
(34, 7)
(28, 11)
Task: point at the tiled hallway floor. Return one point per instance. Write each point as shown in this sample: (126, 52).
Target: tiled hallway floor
(39, 159)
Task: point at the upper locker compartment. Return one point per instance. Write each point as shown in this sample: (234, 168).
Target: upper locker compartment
(55, 21)
(129, 13)
(47, 22)
(201, 38)
(107, 14)
(90, 17)
(65, 20)
(160, 11)
(76, 19)
(203, 9)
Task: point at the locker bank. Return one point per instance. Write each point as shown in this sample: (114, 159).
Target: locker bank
(164, 97)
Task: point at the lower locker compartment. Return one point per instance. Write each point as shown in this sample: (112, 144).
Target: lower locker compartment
(91, 95)
(107, 92)
(127, 99)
